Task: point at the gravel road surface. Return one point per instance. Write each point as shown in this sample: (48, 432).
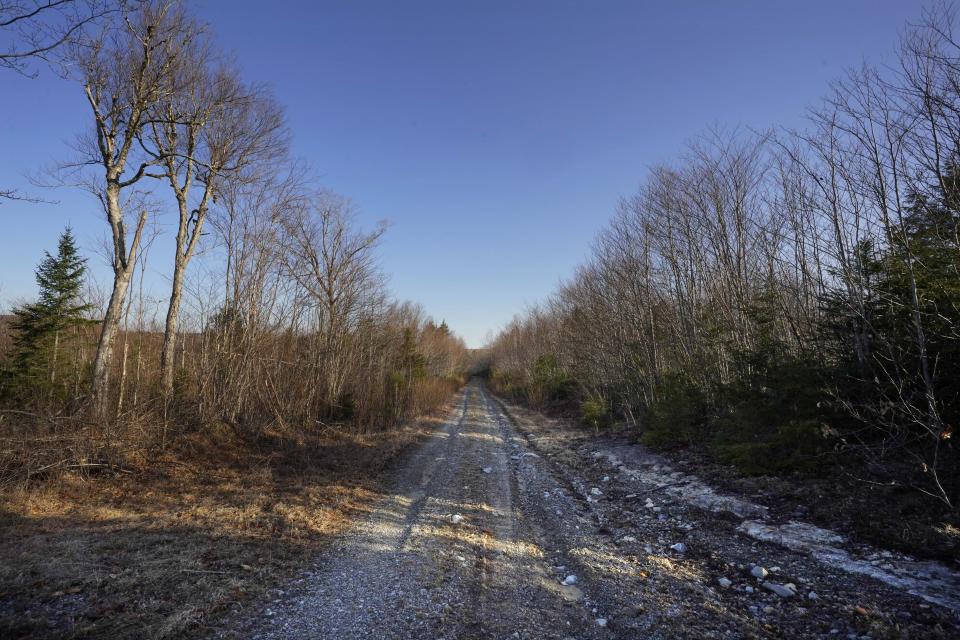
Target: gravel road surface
(501, 526)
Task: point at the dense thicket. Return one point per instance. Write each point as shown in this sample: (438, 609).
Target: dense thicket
(774, 296)
(277, 320)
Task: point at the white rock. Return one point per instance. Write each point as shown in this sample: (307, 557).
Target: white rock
(782, 590)
(648, 504)
(759, 572)
(628, 539)
(488, 469)
(679, 547)
(596, 492)
(748, 589)
(602, 622)
(812, 595)
(606, 479)
(726, 583)
(456, 518)
(570, 579)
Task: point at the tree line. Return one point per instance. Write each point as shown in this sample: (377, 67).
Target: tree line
(287, 325)
(781, 298)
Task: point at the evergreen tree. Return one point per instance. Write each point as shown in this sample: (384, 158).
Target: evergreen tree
(412, 364)
(913, 280)
(927, 256)
(39, 326)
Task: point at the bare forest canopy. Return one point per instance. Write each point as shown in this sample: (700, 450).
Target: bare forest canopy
(787, 301)
(783, 300)
(293, 331)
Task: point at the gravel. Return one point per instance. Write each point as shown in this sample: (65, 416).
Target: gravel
(535, 554)
(445, 554)
(759, 572)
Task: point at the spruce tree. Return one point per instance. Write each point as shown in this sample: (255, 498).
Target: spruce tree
(39, 326)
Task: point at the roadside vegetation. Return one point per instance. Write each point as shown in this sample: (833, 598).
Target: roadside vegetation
(277, 322)
(162, 457)
(786, 302)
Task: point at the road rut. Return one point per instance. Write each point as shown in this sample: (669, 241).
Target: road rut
(449, 554)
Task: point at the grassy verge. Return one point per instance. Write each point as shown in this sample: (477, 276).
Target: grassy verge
(164, 550)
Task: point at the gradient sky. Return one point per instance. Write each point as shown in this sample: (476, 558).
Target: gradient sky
(496, 137)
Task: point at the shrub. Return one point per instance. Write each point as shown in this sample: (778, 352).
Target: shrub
(795, 446)
(551, 382)
(678, 416)
(594, 413)
(772, 414)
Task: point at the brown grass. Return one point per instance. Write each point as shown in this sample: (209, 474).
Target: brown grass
(166, 549)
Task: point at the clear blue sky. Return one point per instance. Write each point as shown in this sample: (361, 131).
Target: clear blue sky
(496, 137)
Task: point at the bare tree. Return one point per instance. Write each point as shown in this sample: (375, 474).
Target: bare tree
(125, 74)
(334, 265)
(36, 29)
(245, 223)
(209, 128)
(33, 30)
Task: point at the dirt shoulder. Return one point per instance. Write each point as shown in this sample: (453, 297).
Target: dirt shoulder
(842, 497)
(165, 550)
(845, 499)
(699, 546)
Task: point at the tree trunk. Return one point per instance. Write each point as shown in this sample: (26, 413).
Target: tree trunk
(108, 333)
(124, 264)
(53, 359)
(168, 353)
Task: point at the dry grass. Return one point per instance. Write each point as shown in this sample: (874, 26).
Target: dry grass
(164, 551)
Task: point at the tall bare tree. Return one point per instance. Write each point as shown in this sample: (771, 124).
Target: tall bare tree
(209, 128)
(125, 73)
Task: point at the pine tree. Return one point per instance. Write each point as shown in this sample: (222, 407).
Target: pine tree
(39, 326)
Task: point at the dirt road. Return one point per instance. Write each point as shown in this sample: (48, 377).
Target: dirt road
(498, 527)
